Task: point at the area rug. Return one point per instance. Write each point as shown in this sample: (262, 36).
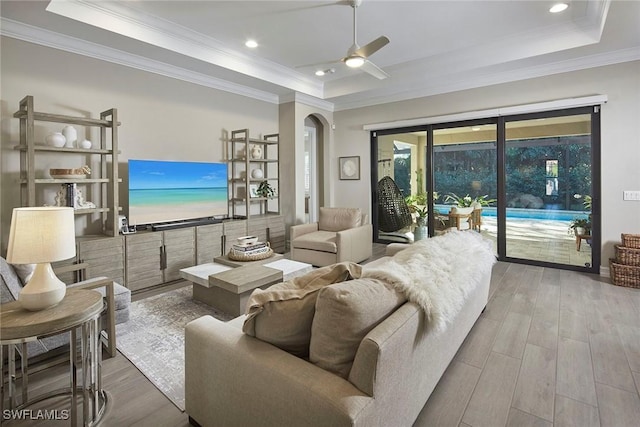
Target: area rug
(153, 338)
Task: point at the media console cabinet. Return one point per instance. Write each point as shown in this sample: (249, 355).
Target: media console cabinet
(151, 258)
(156, 257)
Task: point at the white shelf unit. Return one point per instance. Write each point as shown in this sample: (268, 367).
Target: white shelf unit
(242, 164)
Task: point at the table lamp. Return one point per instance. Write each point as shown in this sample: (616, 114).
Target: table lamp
(41, 235)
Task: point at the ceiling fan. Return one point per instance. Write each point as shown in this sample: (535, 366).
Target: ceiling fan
(358, 57)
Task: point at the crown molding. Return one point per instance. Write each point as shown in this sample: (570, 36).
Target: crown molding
(474, 80)
(121, 18)
(31, 34)
(311, 101)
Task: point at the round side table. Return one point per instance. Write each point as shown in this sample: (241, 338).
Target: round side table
(77, 313)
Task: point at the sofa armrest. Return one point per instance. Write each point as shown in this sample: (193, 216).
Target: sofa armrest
(108, 284)
(394, 248)
(234, 379)
(301, 229)
(355, 244)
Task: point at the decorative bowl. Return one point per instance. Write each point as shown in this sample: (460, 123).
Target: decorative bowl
(247, 240)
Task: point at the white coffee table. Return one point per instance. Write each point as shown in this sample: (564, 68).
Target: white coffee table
(289, 268)
(228, 288)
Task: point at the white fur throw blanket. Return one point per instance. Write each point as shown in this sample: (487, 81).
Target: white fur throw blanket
(438, 273)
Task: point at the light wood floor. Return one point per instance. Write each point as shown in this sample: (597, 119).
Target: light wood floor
(552, 348)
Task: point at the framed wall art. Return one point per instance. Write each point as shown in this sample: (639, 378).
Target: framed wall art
(349, 167)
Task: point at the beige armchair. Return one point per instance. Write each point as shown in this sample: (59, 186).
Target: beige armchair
(341, 234)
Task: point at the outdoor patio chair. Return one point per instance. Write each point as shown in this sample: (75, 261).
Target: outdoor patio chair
(394, 216)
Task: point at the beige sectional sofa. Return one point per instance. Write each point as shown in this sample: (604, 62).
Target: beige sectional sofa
(233, 379)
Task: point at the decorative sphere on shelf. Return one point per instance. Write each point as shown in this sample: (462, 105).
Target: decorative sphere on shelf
(55, 139)
(256, 174)
(86, 144)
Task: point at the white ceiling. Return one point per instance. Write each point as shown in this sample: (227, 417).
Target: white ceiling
(435, 46)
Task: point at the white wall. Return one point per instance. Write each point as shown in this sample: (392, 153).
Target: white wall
(162, 118)
(620, 133)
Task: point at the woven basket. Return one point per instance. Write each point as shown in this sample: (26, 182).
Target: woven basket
(631, 240)
(628, 256)
(624, 275)
(241, 256)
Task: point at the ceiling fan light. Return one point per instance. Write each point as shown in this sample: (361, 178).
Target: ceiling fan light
(354, 61)
(558, 7)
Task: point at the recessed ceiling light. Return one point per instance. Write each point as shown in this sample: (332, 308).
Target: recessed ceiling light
(559, 7)
(251, 43)
(475, 128)
(324, 72)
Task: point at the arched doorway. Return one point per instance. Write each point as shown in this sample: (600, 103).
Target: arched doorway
(313, 160)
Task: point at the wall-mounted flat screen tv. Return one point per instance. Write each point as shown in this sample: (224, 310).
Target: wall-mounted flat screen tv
(165, 191)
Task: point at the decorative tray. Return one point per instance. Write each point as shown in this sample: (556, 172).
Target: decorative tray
(79, 173)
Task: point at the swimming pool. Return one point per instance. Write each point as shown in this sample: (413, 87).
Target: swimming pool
(546, 214)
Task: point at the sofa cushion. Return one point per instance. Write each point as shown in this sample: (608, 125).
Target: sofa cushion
(345, 313)
(282, 314)
(323, 241)
(338, 219)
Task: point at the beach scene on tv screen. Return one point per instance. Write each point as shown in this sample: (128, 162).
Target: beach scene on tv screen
(161, 191)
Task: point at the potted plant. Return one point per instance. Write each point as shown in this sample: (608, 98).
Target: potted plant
(468, 201)
(421, 215)
(420, 232)
(266, 190)
(580, 226)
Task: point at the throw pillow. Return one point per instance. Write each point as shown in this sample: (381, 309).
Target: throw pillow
(345, 313)
(24, 272)
(282, 314)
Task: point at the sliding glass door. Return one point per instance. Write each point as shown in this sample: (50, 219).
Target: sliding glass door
(465, 172)
(549, 189)
(400, 201)
(529, 183)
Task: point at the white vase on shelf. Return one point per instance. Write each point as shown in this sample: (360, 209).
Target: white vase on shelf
(71, 134)
(55, 139)
(256, 152)
(86, 144)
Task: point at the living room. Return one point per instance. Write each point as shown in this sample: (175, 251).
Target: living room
(167, 118)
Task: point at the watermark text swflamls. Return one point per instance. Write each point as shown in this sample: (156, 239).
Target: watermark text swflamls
(35, 414)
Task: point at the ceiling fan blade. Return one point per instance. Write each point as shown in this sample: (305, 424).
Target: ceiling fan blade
(318, 64)
(371, 68)
(371, 48)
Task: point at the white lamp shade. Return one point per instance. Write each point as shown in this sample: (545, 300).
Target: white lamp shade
(41, 234)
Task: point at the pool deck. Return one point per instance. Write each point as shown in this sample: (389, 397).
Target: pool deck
(538, 239)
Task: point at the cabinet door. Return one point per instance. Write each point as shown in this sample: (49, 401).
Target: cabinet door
(104, 257)
(143, 260)
(233, 230)
(208, 242)
(257, 226)
(275, 230)
(180, 251)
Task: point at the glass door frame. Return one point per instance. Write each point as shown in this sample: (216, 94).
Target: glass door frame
(500, 122)
(594, 112)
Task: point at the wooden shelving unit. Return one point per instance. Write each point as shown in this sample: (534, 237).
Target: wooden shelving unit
(104, 181)
(241, 166)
